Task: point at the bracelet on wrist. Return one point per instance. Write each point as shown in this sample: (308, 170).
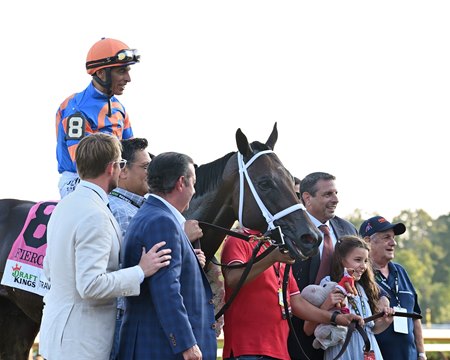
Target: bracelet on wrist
(334, 316)
(422, 355)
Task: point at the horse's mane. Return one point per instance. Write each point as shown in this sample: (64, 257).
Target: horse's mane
(209, 175)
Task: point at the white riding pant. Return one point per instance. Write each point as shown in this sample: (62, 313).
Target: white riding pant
(67, 183)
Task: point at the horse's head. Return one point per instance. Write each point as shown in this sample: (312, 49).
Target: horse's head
(264, 196)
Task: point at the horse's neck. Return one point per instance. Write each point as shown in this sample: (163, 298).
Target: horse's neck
(212, 239)
(214, 208)
(208, 206)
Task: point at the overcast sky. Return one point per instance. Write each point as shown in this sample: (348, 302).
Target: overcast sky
(359, 89)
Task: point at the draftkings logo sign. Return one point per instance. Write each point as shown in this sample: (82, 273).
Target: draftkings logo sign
(22, 277)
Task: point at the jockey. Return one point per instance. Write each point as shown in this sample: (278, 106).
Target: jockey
(96, 109)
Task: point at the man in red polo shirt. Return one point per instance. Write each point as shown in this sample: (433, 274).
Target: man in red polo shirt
(255, 324)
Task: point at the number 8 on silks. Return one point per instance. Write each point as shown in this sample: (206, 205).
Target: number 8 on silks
(76, 127)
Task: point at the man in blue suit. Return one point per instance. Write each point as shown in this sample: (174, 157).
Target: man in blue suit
(173, 318)
(318, 193)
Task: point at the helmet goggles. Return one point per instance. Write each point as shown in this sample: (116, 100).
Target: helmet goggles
(125, 57)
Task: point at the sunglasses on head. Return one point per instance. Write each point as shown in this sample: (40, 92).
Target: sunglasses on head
(126, 56)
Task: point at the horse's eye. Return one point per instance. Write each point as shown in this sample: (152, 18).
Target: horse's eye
(265, 185)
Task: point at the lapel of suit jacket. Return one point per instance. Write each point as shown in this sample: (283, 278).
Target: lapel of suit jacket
(337, 228)
(157, 202)
(315, 263)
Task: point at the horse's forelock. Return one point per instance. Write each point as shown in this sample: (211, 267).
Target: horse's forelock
(210, 174)
(257, 146)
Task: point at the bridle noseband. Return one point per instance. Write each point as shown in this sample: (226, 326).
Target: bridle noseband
(243, 175)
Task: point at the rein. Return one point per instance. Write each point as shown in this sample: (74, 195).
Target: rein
(354, 325)
(248, 265)
(206, 225)
(350, 329)
(284, 290)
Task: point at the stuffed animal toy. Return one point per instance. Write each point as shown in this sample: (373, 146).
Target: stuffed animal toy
(326, 335)
(347, 283)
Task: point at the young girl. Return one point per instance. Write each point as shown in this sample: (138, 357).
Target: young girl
(352, 252)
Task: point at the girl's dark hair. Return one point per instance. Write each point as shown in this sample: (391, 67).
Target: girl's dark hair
(344, 245)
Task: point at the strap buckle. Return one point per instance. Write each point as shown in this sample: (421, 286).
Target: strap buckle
(277, 238)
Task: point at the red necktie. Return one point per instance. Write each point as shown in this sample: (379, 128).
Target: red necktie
(327, 254)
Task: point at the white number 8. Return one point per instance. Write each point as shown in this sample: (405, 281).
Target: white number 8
(75, 127)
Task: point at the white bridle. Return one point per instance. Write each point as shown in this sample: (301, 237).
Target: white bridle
(266, 213)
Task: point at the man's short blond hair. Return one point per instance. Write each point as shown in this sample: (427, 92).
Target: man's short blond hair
(94, 153)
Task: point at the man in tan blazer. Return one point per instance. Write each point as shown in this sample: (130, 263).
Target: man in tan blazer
(82, 260)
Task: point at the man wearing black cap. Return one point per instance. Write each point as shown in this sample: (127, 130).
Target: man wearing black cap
(403, 338)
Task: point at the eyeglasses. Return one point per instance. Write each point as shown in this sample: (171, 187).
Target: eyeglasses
(122, 163)
(142, 166)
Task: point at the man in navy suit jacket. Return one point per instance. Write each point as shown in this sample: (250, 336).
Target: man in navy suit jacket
(319, 195)
(173, 317)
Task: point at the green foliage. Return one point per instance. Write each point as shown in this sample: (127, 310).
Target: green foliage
(423, 251)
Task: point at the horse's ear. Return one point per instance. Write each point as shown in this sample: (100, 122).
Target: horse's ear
(242, 143)
(273, 137)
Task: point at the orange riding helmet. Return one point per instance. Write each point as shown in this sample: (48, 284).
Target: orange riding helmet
(107, 53)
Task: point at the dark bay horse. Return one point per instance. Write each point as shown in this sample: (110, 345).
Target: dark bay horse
(250, 185)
